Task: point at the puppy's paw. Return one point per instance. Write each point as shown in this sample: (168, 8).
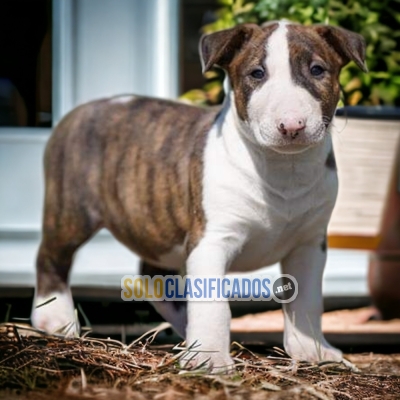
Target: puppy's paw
(330, 353)
(55, 316)
(312, 351)
(207, 362)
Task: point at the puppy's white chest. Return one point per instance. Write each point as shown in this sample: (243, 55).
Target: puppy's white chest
(262, 208)
(263, 226)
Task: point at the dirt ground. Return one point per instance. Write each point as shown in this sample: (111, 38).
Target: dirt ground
(42, 367)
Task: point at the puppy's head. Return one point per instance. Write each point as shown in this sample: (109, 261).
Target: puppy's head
(284, 78)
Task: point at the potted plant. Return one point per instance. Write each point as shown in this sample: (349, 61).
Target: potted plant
(366, 131)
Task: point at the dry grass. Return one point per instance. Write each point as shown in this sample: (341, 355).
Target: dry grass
(44, 367)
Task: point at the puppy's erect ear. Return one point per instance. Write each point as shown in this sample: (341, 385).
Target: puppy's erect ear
(348, 45)
(219, 48)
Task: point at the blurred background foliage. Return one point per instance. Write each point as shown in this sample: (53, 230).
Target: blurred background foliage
(377, 20)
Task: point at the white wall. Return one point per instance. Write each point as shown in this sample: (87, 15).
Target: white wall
(126, 46)
(21, 183)
(100, 48)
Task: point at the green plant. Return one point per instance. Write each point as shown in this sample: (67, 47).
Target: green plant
(377, 21)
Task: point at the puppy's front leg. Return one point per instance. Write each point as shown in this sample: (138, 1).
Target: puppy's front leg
(303, 338)
(208, 321)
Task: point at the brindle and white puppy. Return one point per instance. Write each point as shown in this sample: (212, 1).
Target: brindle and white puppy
(206, 191)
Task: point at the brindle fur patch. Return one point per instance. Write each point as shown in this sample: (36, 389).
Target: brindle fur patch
(239, 51)
(252, 55)
(337, 47)
(306, 47)
(125, 167)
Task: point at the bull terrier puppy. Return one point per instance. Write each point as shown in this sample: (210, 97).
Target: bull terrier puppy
(208, 191)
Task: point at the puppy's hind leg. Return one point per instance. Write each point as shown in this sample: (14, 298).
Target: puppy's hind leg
(174, 312)
(53, 307)
(67, 225)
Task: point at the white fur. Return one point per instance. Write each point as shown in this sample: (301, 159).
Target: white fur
(303, 338)
(209, 322)
(258, 200)
(122, 99)
(56, 315)
(262, 206)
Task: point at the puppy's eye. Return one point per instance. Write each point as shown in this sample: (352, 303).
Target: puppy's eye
(258, 73)
(316, 70)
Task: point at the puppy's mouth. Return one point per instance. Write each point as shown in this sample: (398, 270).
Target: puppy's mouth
(290, 143)
(291, 148)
